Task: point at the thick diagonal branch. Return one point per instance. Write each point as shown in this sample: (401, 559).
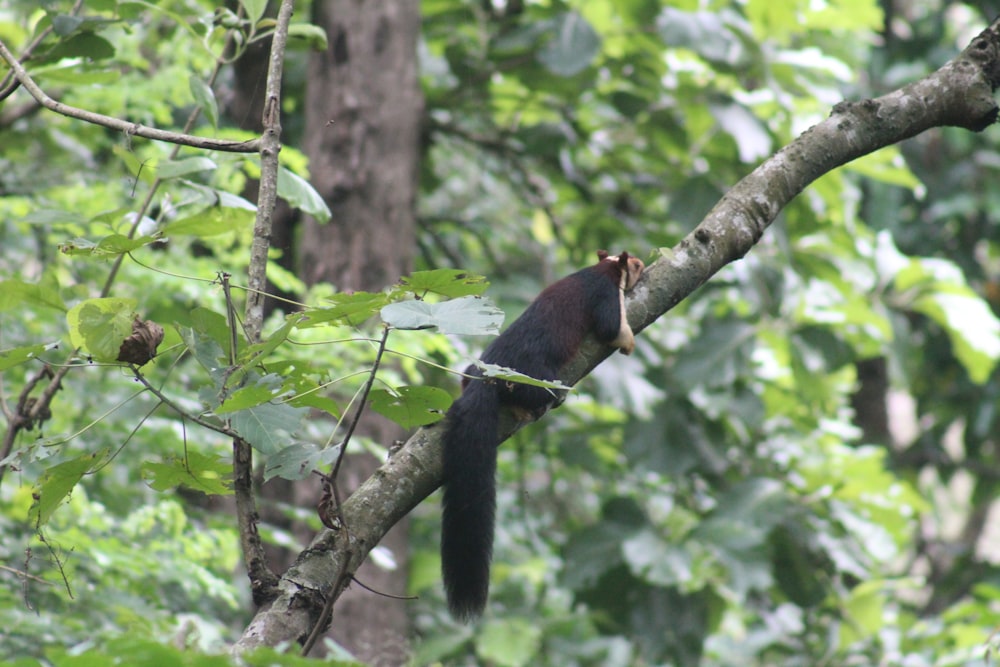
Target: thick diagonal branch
(959, 94)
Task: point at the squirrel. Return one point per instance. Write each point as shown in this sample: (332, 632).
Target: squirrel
(538, 344)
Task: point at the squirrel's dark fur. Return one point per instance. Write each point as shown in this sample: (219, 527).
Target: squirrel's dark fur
(538, 344)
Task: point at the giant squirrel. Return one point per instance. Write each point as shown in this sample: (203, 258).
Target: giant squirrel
(538, 344)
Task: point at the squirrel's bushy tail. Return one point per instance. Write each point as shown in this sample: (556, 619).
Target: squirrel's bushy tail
(470, 461)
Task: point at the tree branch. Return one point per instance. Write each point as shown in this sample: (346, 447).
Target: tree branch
(959, 94)
(133, 129)
(262, 579)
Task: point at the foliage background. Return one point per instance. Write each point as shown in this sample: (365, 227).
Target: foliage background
(732, 494)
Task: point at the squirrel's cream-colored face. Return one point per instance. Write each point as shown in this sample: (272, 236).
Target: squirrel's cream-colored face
(632, 272)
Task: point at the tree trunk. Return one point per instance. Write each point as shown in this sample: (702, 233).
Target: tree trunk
(363, 111)
(362, 119)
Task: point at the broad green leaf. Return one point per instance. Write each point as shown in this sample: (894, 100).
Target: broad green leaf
(254, 353)
(57, 483)
(760, 501)
(972, 327)
(83, 45)
(717, 357)
(451, 283)
(703, 32)
(17, 295)
(255, 9)
(411, 406)
(73, 75)
(207, 339)
(210, 222)
(298, 192)
(205, 98)
(573, 47)
(313, 35)
(298, 460)
(263, 390)
(208, 474)
(268, 427)
(885, 165)
(591, 552)
(66, 24)
(471, 315)
(282, 657)
(19, 355)
(140, 169)
(653, 559)
(109, 246)
(192, 165)
(48, 216)
(509, 642)
(795, 568)
(100, 325)
(303, 393)
(353, 309)
(751, 136)
(937, 288)
(244, 398)
(864, 611)
(437, 648)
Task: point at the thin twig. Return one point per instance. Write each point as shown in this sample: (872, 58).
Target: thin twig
(176, 408)
(361, 407)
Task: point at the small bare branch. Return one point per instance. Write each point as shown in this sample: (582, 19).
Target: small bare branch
(126, 127)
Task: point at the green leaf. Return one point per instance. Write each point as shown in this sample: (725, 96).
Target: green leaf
(254, 353)
(717, 357)
(207, 339)
(255, 9)
(100, 325)
(83, 45)
(264, 389)
(210, 222)
(451, 283)
(972, 327)
(653, 559)
(204, 96)
(471, 315)
(938, 289)
(596, 549)
(19, 355)
(16, 294)
(885, 165)
(313, 35)
(352, 308)
(109, 246)
(208, 474)
(864, 609)
(705, 33)
(300, 194)
(268, 427)
(573, 47)
(411, 406)
(57, 483)
(66, 24)
(511, 642)
(177, 168)
(298, 460)
(510, 375)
